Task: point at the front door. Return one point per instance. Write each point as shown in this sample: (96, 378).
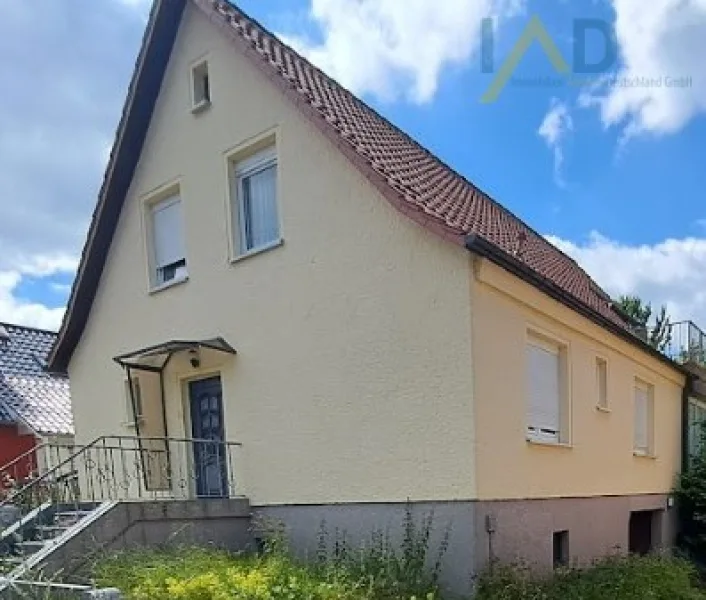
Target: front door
(210, 460)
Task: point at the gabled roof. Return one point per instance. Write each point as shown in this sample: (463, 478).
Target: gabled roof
(416, 182)
(28, 393)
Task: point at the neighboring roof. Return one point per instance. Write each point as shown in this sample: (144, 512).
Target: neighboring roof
(415, 181)
(28, 393)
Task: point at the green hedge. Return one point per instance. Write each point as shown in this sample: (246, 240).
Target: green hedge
(615, 578)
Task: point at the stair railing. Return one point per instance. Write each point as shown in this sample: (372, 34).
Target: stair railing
(130, 468)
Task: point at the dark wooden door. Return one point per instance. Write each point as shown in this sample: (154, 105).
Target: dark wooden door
(640, 534)
(210, 460)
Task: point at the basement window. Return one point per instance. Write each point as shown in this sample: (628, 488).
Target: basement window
(200, 87)
(560, 552)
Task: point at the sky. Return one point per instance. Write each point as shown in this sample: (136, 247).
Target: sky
(606, 159)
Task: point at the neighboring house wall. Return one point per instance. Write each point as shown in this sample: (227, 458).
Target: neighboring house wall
(353, 381)
(13, 443)
(596, 459)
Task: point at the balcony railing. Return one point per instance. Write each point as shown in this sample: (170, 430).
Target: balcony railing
(687, 343)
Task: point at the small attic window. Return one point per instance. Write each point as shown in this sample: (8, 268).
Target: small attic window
(200, 87)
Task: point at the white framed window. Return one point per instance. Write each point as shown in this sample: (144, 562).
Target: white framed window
(643, 409)
(255, 202)
(133, 412)
(546, 389)
(200, 86)
(602, 383)
(168, 254)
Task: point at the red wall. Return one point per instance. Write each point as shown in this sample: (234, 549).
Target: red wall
(13, 445)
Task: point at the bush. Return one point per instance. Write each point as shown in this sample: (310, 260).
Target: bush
(691, 498)
(614, 578)
(197, 574)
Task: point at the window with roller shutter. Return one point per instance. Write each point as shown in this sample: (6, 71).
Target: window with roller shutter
(644, 397)
(546, 389)
(168, 254)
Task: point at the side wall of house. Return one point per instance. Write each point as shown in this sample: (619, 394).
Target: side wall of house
(13, 444)
(590, 484)
(353, 379)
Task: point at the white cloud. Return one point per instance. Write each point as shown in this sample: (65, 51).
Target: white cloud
(662, 41)
(672, 272)
(21, 311)
(390, 48)
(557, 124)
(56, 118)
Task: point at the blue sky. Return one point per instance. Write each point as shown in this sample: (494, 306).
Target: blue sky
(610, 172)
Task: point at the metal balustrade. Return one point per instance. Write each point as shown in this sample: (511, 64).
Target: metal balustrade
(687, 343)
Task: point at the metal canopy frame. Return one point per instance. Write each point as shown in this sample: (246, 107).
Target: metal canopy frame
(131, 361)
(169, 349)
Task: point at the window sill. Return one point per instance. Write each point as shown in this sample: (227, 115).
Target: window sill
(538, 442)
(200, 107)
(168, 284)
(256, 251)
(639, 454)
(603, 409)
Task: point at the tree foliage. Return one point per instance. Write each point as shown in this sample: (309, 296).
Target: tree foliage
(657, 333)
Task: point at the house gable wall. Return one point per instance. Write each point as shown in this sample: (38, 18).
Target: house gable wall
(353, 375)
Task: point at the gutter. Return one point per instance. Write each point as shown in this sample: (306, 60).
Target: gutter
(484, 248)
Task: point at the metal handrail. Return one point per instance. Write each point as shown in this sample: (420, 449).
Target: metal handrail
(100, 443)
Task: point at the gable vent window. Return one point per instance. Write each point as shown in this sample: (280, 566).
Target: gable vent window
(200, 87)
(256, 202)
(546, 377)
(168, 242)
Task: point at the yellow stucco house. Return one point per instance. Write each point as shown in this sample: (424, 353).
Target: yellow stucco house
(273, 263)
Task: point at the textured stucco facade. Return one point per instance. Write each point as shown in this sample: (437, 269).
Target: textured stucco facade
(353, 378)
(598, 458)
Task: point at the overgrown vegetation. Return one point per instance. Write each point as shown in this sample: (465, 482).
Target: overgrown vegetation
(378, 570)
(691, 499)
(615, 578)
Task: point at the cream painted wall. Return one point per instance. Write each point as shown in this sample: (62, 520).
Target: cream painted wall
(353, 375)
(600, 458)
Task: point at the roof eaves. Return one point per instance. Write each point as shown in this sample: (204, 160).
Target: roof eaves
(146, 82)
(483, 247)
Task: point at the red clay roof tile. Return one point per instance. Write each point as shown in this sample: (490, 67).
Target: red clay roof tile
(411, 172)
